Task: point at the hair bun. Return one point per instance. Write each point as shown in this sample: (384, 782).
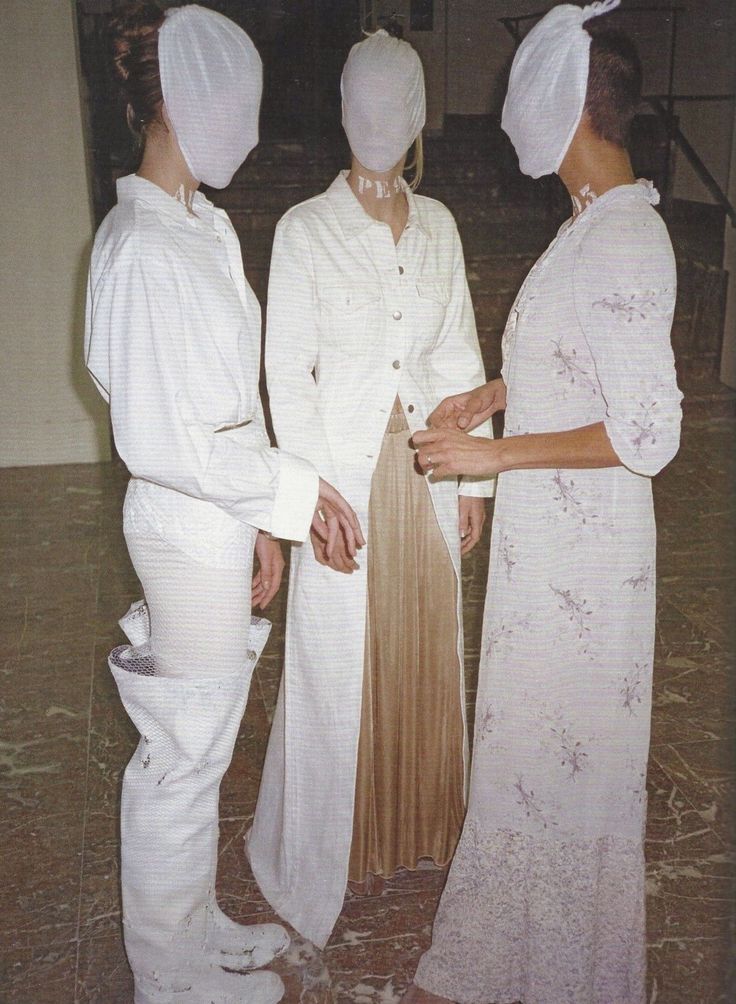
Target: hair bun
(134, 50)
(128, 30)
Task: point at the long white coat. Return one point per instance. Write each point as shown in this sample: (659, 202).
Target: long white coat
(353, 320)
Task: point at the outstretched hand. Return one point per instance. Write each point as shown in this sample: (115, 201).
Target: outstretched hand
(469, 410)
(447, 453)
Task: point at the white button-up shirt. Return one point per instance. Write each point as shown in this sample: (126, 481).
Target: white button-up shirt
(355, 320)
(172, 341)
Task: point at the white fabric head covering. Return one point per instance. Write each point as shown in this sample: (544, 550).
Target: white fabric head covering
(211, 80)
(383, 102)
(547, 87)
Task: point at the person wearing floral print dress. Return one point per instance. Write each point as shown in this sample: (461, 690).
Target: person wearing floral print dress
(544, 903)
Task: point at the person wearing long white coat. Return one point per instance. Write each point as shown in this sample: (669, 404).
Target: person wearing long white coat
(173, 343)
(370, 324)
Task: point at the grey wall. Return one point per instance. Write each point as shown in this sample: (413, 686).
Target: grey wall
(49, 412)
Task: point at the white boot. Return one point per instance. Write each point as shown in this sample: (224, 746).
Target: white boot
(169, 829)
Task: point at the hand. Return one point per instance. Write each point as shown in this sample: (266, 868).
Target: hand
(340, 560)
(445, 452)
(332, 517)
(472, 517)
(267, 579)
(469, 410)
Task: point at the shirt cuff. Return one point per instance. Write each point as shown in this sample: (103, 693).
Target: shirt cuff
(296, 498)
(477, 487)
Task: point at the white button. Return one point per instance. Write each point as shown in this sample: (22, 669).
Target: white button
(397, 315)
(396, 364)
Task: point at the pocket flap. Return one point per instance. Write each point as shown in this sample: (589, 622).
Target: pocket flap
(437, 291)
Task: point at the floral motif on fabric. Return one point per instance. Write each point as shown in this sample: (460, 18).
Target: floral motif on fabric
(641, 580)
(578, 613)
(568, 366)
(505, 631)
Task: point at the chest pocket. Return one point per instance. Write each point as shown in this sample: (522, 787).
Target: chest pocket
(350, 315)
(433, 298)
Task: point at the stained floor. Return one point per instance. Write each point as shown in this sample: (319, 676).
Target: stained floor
(65, 740)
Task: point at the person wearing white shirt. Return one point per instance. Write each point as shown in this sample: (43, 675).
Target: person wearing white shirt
(173, 343)
(369, 325)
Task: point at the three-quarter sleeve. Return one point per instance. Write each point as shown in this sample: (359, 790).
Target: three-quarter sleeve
(624, 288)
(456, 361)
(292, 349)
(136, 349)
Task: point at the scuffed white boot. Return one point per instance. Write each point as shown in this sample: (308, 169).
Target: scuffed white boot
(169, 828)
(199, 983)
(243, 946)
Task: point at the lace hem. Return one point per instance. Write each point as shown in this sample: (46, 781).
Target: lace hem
(540, 922)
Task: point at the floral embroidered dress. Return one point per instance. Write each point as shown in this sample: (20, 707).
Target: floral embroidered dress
(544, 903)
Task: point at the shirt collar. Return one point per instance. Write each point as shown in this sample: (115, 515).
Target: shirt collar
(132, 186)
(354, 219)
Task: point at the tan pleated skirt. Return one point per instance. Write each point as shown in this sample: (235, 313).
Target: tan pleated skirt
(409, 800)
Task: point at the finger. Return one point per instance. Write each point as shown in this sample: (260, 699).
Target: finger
(356, 529)
(348, 534)
(269, 595)
(425, 437)
(443, 471)
(332, 525)
(348, 515)
(340, 565)
(320, 527)
(464, 523)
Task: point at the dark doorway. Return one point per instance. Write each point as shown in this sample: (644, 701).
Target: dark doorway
(303, 44)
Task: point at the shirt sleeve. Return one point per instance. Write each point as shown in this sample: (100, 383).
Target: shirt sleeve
(292, 349)
(625, 285)
(456, 361)
(136, 352)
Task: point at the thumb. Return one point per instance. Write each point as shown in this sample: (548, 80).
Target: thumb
(464, 523)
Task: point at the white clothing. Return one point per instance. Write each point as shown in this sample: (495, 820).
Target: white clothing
(185, 685)
(547, 87)
(211, 81)
(173, 342)
(353, 321)
(383, 100)
(545, 899)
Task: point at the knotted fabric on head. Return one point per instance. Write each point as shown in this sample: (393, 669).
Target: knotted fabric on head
(211, 80)
(383, 102)
(547, 87)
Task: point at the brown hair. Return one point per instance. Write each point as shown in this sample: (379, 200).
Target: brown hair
(134, 43)
(614, 84)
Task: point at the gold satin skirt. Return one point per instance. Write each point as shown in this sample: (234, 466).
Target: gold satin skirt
(409, 793)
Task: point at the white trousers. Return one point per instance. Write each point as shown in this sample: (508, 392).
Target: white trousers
(185, 689)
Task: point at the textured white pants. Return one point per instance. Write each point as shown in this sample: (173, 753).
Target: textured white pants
(200, 613)
(186, 691)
